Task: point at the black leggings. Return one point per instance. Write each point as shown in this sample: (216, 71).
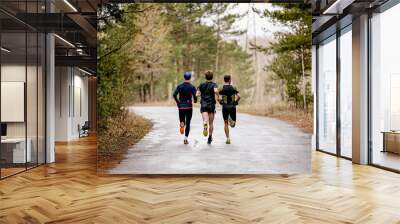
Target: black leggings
(185, 116)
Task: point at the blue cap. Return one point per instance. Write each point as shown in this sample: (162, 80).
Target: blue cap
(187, 75)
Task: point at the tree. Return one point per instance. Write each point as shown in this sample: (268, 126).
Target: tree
(292, 45)
(147, 52)
(223, 22)
(150, 51)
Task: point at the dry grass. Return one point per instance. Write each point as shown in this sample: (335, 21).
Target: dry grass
(157, 103)
(299, 118)
(121, 132)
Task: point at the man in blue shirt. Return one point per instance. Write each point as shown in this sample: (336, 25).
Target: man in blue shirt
(186, 92)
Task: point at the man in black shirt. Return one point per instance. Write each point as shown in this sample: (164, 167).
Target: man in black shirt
(208, 90)
(229, 99)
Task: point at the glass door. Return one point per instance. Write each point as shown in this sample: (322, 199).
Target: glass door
(327, 95)
(346, 92)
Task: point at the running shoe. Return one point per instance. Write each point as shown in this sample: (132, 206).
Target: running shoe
(185, 142)
(205, 130)
(232, 123)
(228, 141)
(209, 140)
(182, 128)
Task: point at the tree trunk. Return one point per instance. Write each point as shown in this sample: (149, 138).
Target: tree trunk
(140, 94)
(217, 50)
(169, 91)
(304, 79)
(151, 94)
(143, 90)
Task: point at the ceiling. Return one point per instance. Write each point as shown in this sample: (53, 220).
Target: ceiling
(74, 22)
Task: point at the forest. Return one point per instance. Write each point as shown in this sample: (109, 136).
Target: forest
(144, 48)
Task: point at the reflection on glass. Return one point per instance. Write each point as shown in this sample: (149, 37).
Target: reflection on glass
(327, 95)
(346, 92)
(395, 102)
(15, 151)
(31, 100)
(41, 98)
(385, 88)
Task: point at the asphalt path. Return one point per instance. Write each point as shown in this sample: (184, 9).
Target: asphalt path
(259, 145)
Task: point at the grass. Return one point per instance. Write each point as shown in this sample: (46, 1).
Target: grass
(293, 115)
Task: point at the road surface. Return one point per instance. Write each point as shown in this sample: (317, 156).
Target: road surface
(260, 145)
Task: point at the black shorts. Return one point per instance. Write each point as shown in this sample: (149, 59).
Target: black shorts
(229, 111)
(209, 108)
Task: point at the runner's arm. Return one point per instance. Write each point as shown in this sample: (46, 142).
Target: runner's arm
(216, 92)
(175, 95)
(237, 96)
(220, 96)
(194, 95)
(198, 93)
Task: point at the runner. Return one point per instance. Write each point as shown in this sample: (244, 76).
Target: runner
(229, 99)
(207, 91)
(186, 92)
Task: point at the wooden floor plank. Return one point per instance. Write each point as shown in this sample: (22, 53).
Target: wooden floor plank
(70, 191)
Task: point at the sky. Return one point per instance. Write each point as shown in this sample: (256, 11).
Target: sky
(262, 28)
(257, 25)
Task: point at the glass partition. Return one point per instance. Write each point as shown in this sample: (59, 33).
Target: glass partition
(346, 92)
(13, 95)
(327, 95)
(385, 89)
(32, 96)
(41, 96)
(22, 78)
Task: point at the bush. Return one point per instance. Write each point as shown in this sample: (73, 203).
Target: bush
(120, 131)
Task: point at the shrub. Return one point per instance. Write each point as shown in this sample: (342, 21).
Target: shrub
(120, 131)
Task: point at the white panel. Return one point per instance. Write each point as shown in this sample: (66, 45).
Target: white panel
(12, 101)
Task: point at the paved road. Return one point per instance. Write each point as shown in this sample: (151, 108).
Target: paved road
(260, 145)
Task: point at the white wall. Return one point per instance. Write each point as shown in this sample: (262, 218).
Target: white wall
(62, 83)
(71, 94)
(12, 73)
(16, 73)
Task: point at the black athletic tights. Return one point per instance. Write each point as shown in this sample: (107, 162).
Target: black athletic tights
(185, 116)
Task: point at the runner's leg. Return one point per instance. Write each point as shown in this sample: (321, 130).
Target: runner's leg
(211, 123)
(232, 115)
(205, 117)
(226, 128)
(181, 121)
(188, 120)
(211, 128)
(205, 123)
(225, 116)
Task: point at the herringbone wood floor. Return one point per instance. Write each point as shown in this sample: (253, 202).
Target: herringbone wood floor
(70, 191)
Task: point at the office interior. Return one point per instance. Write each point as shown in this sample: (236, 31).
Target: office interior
(48, 79)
